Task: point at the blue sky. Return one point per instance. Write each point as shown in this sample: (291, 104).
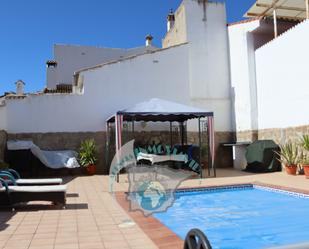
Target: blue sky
(28, 30)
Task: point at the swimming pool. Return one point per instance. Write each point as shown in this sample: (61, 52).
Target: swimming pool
(247, 217)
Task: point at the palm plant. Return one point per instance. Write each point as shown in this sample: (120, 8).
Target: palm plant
(305, 142)
(289, 154)
(305, 154)
(304, 157)
(88, 153)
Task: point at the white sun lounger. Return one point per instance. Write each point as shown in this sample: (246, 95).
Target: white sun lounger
(52, 181)
(26, 182)
(11, 195)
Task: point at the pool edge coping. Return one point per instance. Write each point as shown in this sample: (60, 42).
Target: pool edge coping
(154, 229)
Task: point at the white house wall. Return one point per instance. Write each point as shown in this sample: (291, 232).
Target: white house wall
(282, 80)
(242, 71)
(208, 60)
(106, 90)
(71, 58)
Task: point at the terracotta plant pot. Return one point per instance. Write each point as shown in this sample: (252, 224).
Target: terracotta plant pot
(306, 170)
(291, 169)
(91, 169)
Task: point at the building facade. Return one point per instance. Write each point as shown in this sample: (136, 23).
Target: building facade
(238, 71)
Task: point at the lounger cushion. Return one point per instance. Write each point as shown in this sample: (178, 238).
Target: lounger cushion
(38, 189)
(52, 181)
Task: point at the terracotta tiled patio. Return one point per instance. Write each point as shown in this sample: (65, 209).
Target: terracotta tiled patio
(94, 219)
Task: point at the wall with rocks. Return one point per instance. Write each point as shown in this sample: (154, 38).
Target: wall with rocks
(223, 155)
(72, 141)
(279, 135)
(67, 141)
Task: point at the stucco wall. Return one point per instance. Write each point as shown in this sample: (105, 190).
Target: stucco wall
(71, 58)
(243, 78)
(178, 33)
(282, 80)
(208, 60)
(106, 90)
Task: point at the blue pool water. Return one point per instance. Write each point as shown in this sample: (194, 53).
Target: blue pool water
(246, 218)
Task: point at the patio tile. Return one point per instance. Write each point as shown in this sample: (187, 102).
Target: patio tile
(18, 243)
(21, 236)
(92, 245)
(95, 223)
(89, 239)
(66, 246)
(44, 236)
(41, 242)
(117, 244)
(66, 240)
(42, 247)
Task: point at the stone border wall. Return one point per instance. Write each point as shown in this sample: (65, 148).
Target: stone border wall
(67, 141)
(3, 139)
(72, 141)
(280, 136)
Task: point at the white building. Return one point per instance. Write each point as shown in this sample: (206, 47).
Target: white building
(70, 58)
(239, 71)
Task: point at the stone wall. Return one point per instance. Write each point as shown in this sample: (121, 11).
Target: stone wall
(67, 141)
(3, 138)
(280, 136)
(72, 141)
(223, 155)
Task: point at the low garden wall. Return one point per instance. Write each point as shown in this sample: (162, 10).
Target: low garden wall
(72, 141)
(67, 141)
(280, 136)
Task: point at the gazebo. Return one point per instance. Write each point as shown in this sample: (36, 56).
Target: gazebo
(158, 110)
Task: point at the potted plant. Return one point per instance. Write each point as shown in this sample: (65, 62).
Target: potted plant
(305, 154)
(88, 156)
(289, 157)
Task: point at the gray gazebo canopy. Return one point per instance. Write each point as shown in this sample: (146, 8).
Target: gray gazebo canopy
(158, 110)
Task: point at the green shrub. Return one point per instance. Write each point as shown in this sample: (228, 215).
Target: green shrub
(87, 153)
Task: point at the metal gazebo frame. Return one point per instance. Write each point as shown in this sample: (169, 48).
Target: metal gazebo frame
(180, 117)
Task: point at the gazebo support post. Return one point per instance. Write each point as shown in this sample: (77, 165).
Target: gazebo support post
(133, 130)
(182, 128)
(107, 145)
(212, 134)
(209, 152)
(118, 133)
(307, 9)
(199, 146)
(275, 23)
(171, 134)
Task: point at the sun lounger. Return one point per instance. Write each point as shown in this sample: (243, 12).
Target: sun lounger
(26, 182)
(12, 195)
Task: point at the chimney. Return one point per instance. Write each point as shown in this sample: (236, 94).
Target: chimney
(170, 20)
(20, 87)
(51, 63)
(149, 39)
